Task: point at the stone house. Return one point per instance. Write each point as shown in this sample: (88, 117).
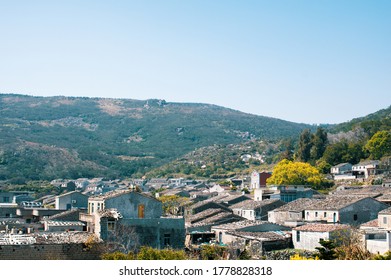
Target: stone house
(256, 210)
(345, 209)
(224, 232)
(307, 237)
(71, 200)
(118, 214)
(256, 243)
(292, 213)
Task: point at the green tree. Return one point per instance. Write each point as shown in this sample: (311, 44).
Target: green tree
(327, 250)
(319, 143)
(213, 252)
(148, 253)
(305, 145)
(288, 149)
(385, 256)
(380, 144)
(295, 173)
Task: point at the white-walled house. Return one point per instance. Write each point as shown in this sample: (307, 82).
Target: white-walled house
(341, 168)
(366, 168)
(377, 233)
(345, 209)
(307, 237)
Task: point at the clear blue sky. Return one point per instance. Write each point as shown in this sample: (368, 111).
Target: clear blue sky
(304, 61)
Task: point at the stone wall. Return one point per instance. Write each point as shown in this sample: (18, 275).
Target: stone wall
(72, 251)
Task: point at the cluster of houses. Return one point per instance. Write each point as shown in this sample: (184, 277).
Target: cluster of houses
(265, 219)
(359, 172)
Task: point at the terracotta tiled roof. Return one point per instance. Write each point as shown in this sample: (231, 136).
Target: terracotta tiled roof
(372, 223)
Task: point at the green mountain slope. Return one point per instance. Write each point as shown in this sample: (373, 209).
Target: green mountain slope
(370, 124)
(52, 137)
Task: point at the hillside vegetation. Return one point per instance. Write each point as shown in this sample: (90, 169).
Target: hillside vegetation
(43, 138)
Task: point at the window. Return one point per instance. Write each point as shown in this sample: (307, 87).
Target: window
(111, 225)
(297, 236)
(92, 208)
(325, 214)
(141, 210)
(6, 199)
(355, 217)
(316, 214)
(384, 220)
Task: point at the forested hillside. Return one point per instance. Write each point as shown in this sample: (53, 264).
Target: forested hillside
(52, 137)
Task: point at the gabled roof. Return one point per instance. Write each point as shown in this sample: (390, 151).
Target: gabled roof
(341, 164)
(70, 193)
(386, 211)
(222, 217)
(371, 224)
(252, 204)
(262, 236)
(336, 202)
(297, 205)
(204, 214)
(321, 227)
(241, 224)
(369, 162)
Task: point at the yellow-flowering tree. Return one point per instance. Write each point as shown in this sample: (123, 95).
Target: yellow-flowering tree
(287, 172)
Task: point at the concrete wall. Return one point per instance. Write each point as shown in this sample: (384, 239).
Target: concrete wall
(73, 251)
(308, 240)
(71, 200)
(127, 205)
(379, 246)
(281, 217)
(153, 232)
(366, 210)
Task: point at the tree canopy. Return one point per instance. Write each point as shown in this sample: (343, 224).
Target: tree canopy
(380, 144)
(295, 173)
